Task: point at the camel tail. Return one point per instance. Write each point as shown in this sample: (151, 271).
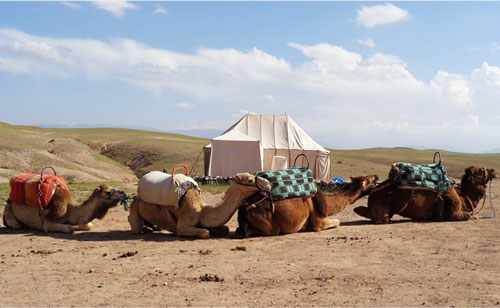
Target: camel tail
(363, 211)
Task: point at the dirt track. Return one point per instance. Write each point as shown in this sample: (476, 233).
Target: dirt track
(401, 264)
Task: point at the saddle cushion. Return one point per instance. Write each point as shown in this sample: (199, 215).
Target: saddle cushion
(290, 183)
(158, 188)
(27, 189)
(432, 176)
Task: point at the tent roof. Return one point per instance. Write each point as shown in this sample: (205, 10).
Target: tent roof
(275, 132)
(235, 135)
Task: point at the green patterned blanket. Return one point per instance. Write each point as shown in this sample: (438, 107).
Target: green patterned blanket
(290, 183)
(432, 176)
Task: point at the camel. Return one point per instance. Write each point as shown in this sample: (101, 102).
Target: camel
(63, 215)
(456, 204)
(193, 217)
(262, 217)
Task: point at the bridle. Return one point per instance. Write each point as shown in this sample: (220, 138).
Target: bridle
(245, 184)
(122, 201)
(484, 183)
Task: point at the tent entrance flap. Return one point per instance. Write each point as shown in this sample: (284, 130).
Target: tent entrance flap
(229, 157)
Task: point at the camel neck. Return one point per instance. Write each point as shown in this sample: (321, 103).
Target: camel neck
(218, 215)
(91, 208)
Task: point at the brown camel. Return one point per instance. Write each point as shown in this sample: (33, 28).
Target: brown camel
(63, 215)
(457, 203)
(193, 217)
(259, 216)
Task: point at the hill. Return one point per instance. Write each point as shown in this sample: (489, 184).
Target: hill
(117, 154)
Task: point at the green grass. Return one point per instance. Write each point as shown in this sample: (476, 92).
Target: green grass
(117, 147)
(214, 189)
(378, 160)
(4, 193)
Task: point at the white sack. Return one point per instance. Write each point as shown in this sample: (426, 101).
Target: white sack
(158, 188)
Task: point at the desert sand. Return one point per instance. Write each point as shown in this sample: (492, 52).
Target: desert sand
(404, 263)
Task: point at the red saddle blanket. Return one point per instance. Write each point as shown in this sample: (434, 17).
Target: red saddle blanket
(28, 189)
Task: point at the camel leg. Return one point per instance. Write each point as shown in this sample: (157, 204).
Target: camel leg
(84, 227)
(9, 220)
(186, 230)
(379, 215)
(363, 211)
(460, 216)
(319, 221)
(135, 220)
(261, 225)
(50, 226)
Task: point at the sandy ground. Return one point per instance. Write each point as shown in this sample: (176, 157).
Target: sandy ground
(360, 264)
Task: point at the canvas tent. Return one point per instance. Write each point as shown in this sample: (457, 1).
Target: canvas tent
(251, 144)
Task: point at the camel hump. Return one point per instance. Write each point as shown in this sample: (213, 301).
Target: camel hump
(158, 188)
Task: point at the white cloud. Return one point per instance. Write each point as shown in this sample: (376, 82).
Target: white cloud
(160, 9)
(329, 58)
(368, 43)
(185, 106)
(371, 16)
(269, 98)
(451, 88)
(335, 94)
(116, 7)
(71, 5)
(495, 47)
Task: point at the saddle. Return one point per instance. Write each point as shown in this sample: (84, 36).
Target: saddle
(295, 182)
(431, 176)
(161, 188)
(36, 190)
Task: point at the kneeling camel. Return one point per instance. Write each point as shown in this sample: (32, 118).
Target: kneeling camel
(63, 215)
(193, 217)
(262, 217)
(457, 203)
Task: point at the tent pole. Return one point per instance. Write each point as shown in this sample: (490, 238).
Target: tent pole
(195, 165)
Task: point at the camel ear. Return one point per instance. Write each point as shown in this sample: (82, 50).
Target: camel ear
(468, 170)
(237, 177)
(98, 190)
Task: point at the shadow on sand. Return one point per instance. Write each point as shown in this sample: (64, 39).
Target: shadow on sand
(108, 236)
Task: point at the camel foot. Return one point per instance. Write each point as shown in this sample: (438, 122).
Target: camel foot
(204, 234)
(240, 232)
(219, 231)
(83, 227)
(331, 223)
(185, 230)
(56, 227)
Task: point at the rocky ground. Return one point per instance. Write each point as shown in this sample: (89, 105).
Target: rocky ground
(402, 264)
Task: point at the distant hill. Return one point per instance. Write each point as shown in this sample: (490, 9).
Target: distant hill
(200, 133)
(117, 154)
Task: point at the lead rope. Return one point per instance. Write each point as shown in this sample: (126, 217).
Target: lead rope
(491, 205)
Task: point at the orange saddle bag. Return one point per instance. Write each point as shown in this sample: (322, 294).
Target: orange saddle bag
(35, 190)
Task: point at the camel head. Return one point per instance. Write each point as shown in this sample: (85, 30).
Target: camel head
(479, 175)
(258, 182)
(366, 183)
(110, 196)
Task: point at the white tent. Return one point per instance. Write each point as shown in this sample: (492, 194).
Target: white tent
(227, 148)
(277, 135)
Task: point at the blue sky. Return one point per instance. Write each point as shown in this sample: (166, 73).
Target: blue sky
(352, 74)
